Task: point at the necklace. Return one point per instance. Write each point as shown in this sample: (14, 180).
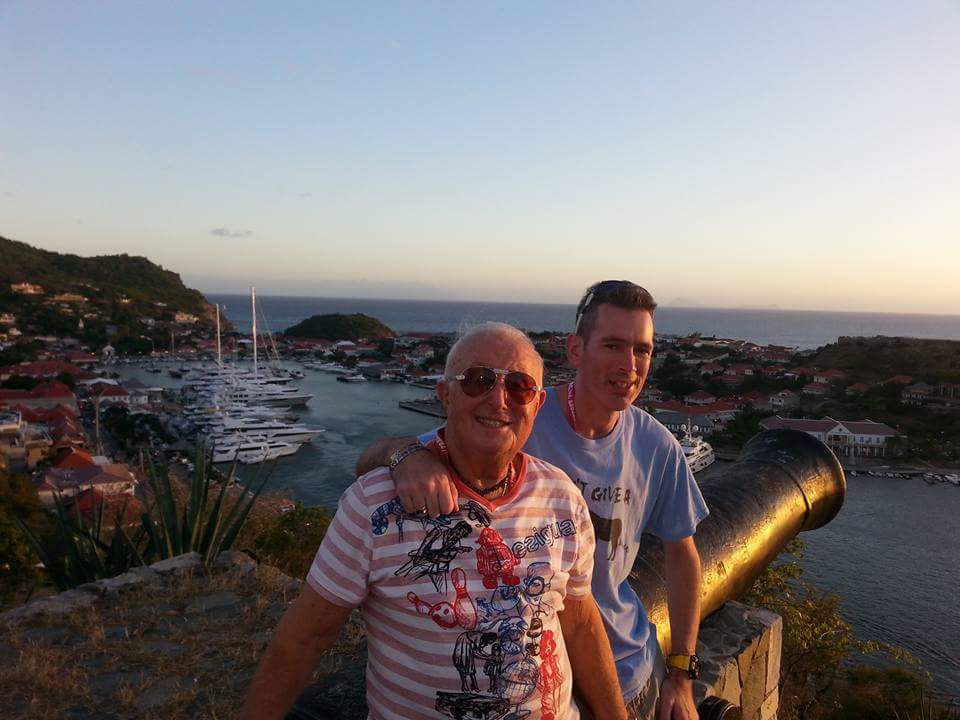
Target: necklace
(491, 493)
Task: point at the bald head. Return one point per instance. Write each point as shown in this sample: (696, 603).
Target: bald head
(464, 352)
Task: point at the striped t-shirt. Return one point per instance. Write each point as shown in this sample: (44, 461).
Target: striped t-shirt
(461, 611)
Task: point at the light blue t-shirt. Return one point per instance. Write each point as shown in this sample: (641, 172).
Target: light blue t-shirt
(635, 480)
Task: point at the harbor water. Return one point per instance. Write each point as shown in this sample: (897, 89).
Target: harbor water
(892, 553)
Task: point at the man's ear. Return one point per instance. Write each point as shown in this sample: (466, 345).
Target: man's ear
(541, 399)
(574, 350)
(443, 393)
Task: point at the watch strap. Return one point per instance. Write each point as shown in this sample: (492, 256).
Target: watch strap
(689, 664)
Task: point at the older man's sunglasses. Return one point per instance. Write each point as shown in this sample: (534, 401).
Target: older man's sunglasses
(477, 381)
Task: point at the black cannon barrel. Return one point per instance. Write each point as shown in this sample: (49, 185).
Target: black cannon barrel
(783, 483)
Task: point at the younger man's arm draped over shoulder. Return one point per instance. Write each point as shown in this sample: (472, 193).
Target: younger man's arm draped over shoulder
(422, 479)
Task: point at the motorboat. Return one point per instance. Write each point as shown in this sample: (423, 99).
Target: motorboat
(252, 450)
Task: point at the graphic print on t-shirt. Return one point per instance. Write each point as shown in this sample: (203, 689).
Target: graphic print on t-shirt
(503, 655)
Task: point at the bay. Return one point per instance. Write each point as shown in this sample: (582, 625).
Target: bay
(791, 328)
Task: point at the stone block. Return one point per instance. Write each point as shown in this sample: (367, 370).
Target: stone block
(769, 707)
(179, 565)
(120, 583)
(55, 606)
(68, 602)
(224, 601)
(234, 559)
(774, 656)
(728, 686)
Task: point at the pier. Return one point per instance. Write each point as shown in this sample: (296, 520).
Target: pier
(426, 406)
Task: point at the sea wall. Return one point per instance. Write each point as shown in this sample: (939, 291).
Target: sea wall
(173, 640)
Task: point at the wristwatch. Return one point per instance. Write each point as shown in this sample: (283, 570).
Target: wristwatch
(403, 453)
(690, 664)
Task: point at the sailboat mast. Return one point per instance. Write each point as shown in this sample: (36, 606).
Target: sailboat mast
(253, 310)
(219, 351)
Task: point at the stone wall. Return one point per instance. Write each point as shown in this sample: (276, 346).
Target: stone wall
(739, 647)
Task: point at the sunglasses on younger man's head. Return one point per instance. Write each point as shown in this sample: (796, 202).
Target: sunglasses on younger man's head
(477, 381)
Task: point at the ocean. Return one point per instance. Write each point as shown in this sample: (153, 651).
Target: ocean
(791, 328)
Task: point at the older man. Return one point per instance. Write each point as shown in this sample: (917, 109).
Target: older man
(483, 612)
(633, 475)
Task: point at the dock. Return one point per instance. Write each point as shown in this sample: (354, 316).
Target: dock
(426, 406)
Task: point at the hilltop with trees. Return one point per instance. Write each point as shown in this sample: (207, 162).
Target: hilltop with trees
(337, 326)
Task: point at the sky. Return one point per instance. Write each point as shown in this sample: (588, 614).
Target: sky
(740, 154)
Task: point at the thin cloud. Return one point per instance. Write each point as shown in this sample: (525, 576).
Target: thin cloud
(228, 233)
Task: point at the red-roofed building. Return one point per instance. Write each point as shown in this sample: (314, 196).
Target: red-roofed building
(110, 479)
(740, 370)
(700, 397)
(850, 438)
(731, 380)
(898, 380)
(757, 399)
(92, 501)
(74, 458)
(784, 399)
(829, 376)
(110, 394)
(773, 371)
(799, 372)
(651, 393)
(40, 369)
(710, 368)
(816, 389)
(81, 358)
(776, 355)
(47, 395)
(857, 389)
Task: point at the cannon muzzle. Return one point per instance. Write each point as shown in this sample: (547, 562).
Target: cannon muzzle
(784, 482)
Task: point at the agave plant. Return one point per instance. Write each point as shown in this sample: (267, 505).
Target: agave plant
(199, 526)
(79, 552)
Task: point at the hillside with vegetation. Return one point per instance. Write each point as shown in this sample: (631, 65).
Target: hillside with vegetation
(878, 358)
(337, 326)
(99, 277)
(126, 301)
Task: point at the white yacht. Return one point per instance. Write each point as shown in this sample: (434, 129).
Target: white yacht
(252, 451)
(230, 428)
(697, 451)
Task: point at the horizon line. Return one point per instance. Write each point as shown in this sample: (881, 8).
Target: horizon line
(573, 304)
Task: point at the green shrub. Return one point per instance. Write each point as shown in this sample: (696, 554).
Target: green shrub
(290, 541)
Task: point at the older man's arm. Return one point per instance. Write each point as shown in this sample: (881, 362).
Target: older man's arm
(594, 672)
(309, 627)
(683, 573)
